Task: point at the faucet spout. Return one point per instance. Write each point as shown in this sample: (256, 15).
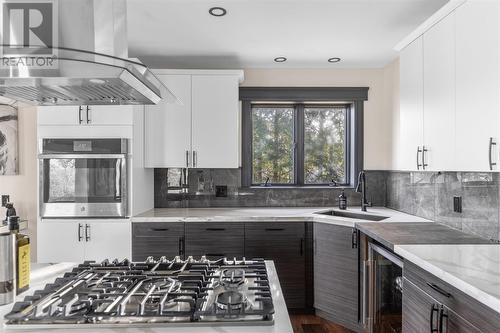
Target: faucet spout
(361, 188)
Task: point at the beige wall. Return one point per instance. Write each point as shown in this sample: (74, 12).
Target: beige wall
(378, 108)
(23, 187)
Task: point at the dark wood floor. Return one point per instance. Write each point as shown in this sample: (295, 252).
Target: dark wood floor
(315, 324)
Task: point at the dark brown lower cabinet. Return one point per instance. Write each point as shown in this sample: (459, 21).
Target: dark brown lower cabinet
(431, 305)
(287, 244)
(420, 311)
(336, 274)
(215, 239)
(157, 239)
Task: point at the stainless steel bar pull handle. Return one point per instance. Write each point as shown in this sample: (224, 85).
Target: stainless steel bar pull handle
(187, 158)
(87, 232)
(80, 237)
(490, 151)
(424, 151)
(89, 120)
(80, 119)
(195, 159)
(418, 158)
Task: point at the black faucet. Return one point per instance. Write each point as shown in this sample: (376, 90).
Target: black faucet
(361, 188)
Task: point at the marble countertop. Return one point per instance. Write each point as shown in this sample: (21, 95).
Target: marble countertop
(42, 274)
(285, 214)
(473, 269)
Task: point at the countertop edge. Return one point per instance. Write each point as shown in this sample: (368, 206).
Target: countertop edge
(479, 295)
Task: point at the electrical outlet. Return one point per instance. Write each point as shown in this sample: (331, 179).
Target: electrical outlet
(457, 204)
(5, 199)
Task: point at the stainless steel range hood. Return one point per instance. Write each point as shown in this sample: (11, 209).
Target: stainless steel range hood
(91, 64)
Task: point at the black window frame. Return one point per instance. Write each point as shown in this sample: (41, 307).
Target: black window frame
(353, 97)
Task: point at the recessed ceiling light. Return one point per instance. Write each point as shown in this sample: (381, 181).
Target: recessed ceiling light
(217, 11)
(280, 59)
(335, 59)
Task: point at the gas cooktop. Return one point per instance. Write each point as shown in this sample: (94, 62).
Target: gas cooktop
(153, 292)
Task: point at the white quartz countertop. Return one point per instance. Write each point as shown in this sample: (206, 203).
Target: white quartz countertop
(473, 269)
(285, 214)
(42, 274)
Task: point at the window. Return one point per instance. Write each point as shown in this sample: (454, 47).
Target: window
(299, 144)
(325, 150)
(273, 144)
(294, 136)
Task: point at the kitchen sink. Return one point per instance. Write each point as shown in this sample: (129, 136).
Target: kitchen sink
(352, 215)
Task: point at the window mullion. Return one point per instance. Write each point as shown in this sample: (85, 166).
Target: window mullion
(299, 144)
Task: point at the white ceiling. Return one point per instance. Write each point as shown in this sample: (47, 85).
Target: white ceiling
(181, 33)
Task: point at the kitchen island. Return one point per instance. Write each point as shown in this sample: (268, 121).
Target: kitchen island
(43, 274)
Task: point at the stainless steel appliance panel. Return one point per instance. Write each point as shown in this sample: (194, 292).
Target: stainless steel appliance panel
(83, 178)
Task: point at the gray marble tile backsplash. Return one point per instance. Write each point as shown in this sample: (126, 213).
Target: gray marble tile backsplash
(430, 195)
(425, 194)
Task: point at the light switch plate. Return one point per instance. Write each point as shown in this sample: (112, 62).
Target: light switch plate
(5, 199)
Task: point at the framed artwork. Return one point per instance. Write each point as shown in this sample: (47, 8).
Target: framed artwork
(8, 141)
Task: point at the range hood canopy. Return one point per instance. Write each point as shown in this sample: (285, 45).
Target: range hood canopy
(91, 64)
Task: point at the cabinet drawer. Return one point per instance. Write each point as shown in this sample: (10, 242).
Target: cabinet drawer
(215, 240)
(278, 241)
(157, 239)
(157, 229)
(465, 306)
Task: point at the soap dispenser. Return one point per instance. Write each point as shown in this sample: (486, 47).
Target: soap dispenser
(342, 201)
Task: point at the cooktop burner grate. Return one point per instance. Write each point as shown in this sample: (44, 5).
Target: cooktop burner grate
(151, 292)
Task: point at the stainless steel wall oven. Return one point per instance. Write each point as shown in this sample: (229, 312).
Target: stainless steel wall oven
(83, 178)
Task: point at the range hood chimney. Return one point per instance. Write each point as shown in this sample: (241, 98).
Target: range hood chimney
(91, 64)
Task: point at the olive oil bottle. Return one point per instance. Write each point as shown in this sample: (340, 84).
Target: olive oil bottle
(22, 255)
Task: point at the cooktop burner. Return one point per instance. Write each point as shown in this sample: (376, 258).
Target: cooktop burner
(151, 292)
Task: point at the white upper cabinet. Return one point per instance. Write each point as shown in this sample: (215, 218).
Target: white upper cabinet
(477, 85)
(439, 96)
(85, 115)
(168, 126)
(201, 131)
(215, 121)
(411, 106)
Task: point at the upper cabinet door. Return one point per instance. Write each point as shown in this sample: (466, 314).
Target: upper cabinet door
(108, 115)
(439, 95)
(168, 126)
(411, 106)
(477, 85)
(59, 115)
(215, 112)
(85, 115)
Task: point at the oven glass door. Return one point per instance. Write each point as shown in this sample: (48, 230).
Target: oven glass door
(83, 185)
(387, 291)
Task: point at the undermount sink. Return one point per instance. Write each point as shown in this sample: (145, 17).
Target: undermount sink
(351, 215)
